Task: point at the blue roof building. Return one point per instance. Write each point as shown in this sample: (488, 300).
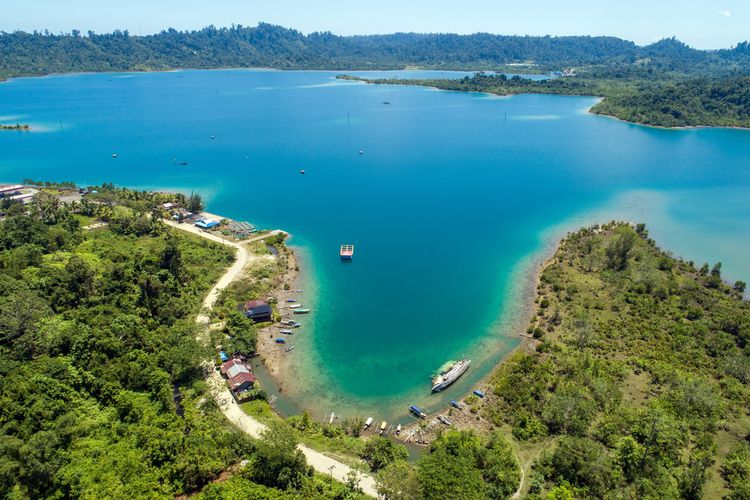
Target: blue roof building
(206, 224)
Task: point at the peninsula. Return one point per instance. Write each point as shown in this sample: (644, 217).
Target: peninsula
(634, 378)
(647, 101)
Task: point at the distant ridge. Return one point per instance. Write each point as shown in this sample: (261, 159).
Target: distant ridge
(39, 53)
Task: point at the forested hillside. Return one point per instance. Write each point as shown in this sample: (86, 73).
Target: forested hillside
(273, 46)
(102, 392)
(639, 385)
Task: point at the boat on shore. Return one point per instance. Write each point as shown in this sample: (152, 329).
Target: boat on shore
(449, 373)
(295, 306)
(302, 311)
(417, 411)
(368, 422)
(286, 332)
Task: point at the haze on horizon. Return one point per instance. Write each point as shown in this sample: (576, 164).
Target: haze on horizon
(703, 24)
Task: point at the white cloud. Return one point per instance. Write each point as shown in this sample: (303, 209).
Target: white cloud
(724, 12)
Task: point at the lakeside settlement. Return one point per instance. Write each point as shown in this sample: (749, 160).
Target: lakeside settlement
(627, 347)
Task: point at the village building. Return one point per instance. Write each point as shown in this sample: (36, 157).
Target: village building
(258, 311)
(239, 378)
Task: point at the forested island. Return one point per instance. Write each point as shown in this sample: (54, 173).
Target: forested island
(664, 84)
(17, 126)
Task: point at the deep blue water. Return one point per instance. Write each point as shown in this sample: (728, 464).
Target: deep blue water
(454, 197)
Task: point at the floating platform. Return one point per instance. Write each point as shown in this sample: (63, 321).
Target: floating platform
(346, 252)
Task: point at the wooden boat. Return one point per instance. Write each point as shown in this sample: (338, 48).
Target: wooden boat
(383, 425)
(289, 349)
(444, 420)
(417, 411)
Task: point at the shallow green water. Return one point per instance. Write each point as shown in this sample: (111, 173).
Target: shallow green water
(453, 199)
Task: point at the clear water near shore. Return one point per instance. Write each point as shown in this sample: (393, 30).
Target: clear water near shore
(453, 200)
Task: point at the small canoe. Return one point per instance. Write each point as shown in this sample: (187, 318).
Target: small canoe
(280, 341)
(479, 393)
(383, 425)
(286, 332)
(295, 306)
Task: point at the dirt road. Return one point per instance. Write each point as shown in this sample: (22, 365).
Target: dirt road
(224, 399)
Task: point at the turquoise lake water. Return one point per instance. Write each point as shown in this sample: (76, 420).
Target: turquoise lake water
(454, 200)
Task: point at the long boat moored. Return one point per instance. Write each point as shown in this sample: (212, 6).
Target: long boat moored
(301, 311)
(417, 411)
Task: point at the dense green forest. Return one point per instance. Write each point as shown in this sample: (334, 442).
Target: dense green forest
(102, 392)
(635, 95)
(266, 45)
(666, 83)
(639, 385)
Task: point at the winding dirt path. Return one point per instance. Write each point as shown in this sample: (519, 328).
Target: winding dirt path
(320, 462)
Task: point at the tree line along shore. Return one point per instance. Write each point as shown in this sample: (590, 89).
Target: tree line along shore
(666, 84)
(671, 103)
(17, 126)
(637, 386)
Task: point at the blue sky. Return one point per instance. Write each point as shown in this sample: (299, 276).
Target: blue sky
(700, 23)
